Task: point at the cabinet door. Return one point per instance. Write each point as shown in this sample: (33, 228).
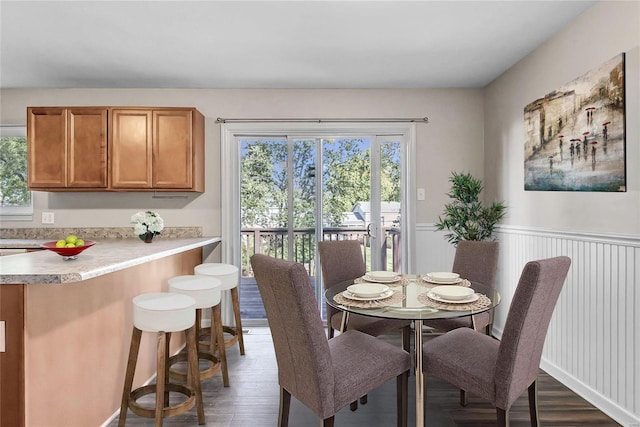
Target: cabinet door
(172, 149)
(46, 147)
(87, 148)
(130, 151)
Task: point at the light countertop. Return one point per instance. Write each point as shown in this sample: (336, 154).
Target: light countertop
(106, 256)
(22, 243)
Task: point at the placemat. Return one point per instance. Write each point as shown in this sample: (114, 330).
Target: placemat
(402, 282)
(397, 297)
(482, 302)
(424, 282)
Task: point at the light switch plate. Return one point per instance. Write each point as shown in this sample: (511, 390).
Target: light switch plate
(421, 194)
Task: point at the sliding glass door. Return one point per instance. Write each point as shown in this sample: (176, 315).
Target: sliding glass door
(296, 189)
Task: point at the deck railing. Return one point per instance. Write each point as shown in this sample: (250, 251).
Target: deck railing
(275, 242)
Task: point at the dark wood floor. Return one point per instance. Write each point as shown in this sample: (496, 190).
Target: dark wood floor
(252, 400)
(251, 307)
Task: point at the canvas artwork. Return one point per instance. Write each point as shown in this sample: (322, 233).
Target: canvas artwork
(575, 135)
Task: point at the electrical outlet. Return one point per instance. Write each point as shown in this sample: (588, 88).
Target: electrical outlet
(47, 217)
(421, 194)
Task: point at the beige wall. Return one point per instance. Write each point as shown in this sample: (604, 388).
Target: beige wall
(602, 32)
(453, 140)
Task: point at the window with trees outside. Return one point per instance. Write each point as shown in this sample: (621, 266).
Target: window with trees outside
(15, 199)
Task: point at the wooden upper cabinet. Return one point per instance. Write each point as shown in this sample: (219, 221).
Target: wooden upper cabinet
(172, 149)
(115, 148)
(157, 149)
(87, 148)
(67, 148)
(46, 147)
(131, 148)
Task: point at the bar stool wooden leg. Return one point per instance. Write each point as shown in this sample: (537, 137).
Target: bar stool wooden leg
(192, 349)
(163, 313)
(166, 369)
(161, 378)
(216, 328)
(236, 310)
(128, 378)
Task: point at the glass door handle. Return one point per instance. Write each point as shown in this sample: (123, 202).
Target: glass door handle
(369, 227)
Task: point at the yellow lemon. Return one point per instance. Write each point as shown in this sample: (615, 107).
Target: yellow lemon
(71, 238)
(61, 243)
(79, 242)
(70, 245)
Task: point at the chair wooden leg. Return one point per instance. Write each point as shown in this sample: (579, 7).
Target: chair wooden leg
(128, 378)
(216, 323)
(533, 403)
(331, 331)
(285, 403)
(161, 377)
(327, 422)
(354, 405)
(235, 298)
(406, 339)
(490, 325)
(402, 390)
(463, 398)
(503, 417)
(192, 355)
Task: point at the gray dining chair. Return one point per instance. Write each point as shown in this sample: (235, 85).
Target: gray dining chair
(342, 260)
(323, 374)
(476, 261)
(500, 371)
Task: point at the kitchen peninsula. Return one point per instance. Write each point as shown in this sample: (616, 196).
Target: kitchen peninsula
(67, 326)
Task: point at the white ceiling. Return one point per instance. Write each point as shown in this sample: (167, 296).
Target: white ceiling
(269, 44)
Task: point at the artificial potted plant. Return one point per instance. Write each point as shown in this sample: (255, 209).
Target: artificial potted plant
(465, 217)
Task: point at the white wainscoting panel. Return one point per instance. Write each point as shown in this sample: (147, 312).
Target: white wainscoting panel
(433, 252)
(593, 341)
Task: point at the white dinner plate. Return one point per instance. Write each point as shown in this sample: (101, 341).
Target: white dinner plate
(349, 295)
(382, 275)
(472, 298)
(366, 290)
(452, 292)
(443, 276)
(430, 279)
(381, 280)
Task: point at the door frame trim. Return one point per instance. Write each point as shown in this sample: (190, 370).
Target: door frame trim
(230, 176)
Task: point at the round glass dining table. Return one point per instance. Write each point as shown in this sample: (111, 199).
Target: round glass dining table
(413, 305)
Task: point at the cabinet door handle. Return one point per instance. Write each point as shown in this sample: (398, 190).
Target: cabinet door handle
(2, 337)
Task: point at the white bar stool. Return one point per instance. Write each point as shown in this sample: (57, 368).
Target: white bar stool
(207, 292)
(228, 276)
(163, 313)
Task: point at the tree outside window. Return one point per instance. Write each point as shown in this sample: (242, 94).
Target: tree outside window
(15, 198)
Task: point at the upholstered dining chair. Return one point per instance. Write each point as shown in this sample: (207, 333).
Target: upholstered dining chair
(323, 374)
(500, 371)
(476, 261)
(341, 260)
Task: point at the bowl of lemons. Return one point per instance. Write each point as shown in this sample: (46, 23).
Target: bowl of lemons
(69, 247)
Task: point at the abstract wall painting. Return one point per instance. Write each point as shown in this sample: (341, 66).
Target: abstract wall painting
(575, 135)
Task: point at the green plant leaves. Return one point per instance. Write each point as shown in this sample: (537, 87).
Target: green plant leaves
(465, 217)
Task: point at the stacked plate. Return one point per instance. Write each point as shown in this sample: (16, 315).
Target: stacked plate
(381, 276)
(453, 294)
(367, 292)
(443, 277)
